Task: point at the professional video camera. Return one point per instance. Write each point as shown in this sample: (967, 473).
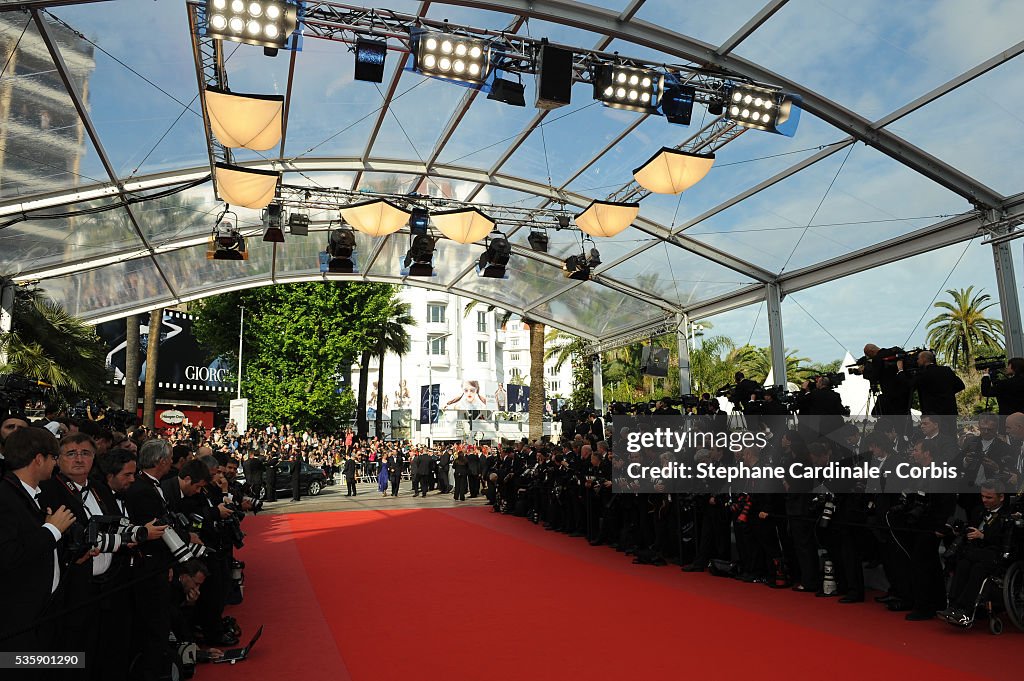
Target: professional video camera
(105, 533)
(992, 363)
(16, 390)
(857, 368)
(835, 378)
(908, 357)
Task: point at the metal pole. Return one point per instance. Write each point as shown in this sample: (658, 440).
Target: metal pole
(685, 387)
(778, 346)
(598, 383)
(241, 329)
(6, 313)
(1009, 302)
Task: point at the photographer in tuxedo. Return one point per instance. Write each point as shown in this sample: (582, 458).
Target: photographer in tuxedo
(29, 538)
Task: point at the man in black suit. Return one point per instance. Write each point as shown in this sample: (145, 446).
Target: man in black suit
(253, 468)
(349, 469)
(824, 405)
(741, 392)
(936, 388)
(1009, 391)
(944, 447)
(444, 463)
(421, 473)
(146, 502)
(473, 462)
(394, 465)
(985, 457)
(296, 477)
(979, 558)
(29, 537)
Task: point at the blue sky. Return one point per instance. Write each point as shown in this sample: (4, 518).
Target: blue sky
(871, 56)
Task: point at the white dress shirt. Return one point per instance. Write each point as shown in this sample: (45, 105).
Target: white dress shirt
(100, 563)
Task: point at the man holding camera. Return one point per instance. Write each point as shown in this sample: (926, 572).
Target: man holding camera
(1008, 391)
(936, 388)
(878, 367)
(820, 401)
(29, 538)
(980, 555)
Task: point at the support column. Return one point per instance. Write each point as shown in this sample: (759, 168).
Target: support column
(685, 384)
(6, 312)
(598, 383)
(1009, 302)
(776, 342)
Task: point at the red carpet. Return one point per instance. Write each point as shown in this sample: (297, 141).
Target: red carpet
(467, 595)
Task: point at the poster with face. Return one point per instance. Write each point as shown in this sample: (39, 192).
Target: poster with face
(467, 395)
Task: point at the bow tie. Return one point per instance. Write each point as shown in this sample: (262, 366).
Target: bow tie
(37, 495)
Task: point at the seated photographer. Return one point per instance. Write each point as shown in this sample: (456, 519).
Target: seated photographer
(979, 556)
(1008, 391)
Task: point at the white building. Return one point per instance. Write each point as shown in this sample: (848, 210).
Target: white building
(470, 359)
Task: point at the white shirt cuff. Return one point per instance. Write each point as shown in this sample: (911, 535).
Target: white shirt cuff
(53, 530)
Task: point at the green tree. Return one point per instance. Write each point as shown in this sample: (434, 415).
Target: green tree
(48, 344)
(299, 340)
(392, 336)
(755, 363)
(562, 347)
(963, 329)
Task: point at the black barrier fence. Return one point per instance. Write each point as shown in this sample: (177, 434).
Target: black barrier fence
(822, 454)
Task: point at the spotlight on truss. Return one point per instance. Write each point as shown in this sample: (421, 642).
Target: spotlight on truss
(266, 23)
(628, 87)
(419, 260)
(341, 246)
(273, 223)
(538, 240)
(370, 56)
(494, 260)
(763, 108)
(446, 55)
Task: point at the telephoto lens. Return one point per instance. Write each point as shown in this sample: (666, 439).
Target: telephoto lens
(178, 548)
(827, 511)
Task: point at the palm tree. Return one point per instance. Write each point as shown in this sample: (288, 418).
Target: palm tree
(393, 337)
(131, 364)
(711, 366)
(156, 318)
(756, 363)
(49, 344)
(362, 425)
(536, 403)
(959, 332)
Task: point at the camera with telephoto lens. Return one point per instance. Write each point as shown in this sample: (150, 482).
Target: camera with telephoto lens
(908, 357)
(857, 368)
(824, 506)
(232, 526)
(992, 363)
(835, 378)
(178, 524)
(105, 533)
(958, 530)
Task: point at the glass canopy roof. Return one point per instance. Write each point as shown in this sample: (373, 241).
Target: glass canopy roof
(912, 117)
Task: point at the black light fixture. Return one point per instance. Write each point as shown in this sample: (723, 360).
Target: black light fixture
(298, 224)
(419, 260)
(370, 56)
(508, 91)
(579, 267)
(494, 260)
(419, 221)
(628, 87)
(563, 221)
(273, 223)
(554, 77)
(677, 103)
(716, 108)
(227, 245)
(762, 108)
(341, 247)
(267, 23)
(538, 240)
(446, 55)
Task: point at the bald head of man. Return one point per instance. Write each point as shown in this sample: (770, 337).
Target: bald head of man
(925, 358)
(871, 349)
(1015, 425)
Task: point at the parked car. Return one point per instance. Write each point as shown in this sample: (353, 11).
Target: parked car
(312, 480)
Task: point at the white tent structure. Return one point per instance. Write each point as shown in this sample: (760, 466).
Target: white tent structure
(855, 391)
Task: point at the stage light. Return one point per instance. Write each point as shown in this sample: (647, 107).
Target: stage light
(576, 267)
(370, 56)
(563, 221)
(298, 224)
(538, 240)
(245, 121)
(508, 91)
(419, 221)
(762, 109)
(245, 187)
(273, 221)
(455, 57)
(605, 218)
(341, 246)
(375, 218)
(628, 87)
(267, 23)
(466, 225)
(716, 108)
(419, 260)
(671, 171)
(494, 260)
(227, 245)
(677, 104)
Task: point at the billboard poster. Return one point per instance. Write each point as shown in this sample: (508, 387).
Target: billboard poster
(182, 363)
(430, 402)
(518, 397)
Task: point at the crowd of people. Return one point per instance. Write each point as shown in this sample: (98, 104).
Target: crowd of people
(118, 548)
